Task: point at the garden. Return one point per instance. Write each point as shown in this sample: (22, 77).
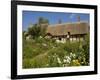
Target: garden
(41, 52)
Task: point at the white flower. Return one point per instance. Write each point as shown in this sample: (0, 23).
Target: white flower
(59, 61)
(67, 59)
(44, 44)
(73, 55)
(40, 37)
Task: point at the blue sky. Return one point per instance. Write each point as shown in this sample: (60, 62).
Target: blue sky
(31, 17)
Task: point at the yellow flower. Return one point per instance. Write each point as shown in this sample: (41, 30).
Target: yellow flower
(76, 62)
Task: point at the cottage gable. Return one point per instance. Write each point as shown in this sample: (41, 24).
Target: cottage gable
(68, 31)
(73, 28)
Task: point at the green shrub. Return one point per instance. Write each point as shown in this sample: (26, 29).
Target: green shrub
(27, 63)
(41, 52)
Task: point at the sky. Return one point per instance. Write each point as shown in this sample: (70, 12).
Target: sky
(31, 17)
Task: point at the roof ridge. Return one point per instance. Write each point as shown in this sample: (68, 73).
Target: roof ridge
(68, 23)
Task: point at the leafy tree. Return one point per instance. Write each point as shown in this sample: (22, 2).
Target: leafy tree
(38, 29)
(42, 20)
(25, 34)
(34, 30)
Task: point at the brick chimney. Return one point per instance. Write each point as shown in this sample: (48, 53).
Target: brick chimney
(59, 21)
(78, 18)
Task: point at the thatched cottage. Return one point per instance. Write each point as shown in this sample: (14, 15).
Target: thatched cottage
(68, 31)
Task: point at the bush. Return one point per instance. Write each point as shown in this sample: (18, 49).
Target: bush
(32, 49)
(27, 63)
(41, 52)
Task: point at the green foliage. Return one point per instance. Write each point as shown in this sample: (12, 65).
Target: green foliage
(41, 52)
(42, 20)
(86, 48)
(27, 63)
(35, 31)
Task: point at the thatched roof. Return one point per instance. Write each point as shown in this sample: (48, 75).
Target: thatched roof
(73, 28)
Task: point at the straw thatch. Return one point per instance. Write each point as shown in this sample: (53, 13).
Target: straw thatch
(65, 28)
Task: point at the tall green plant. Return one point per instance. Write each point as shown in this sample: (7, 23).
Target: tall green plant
(34, 31)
